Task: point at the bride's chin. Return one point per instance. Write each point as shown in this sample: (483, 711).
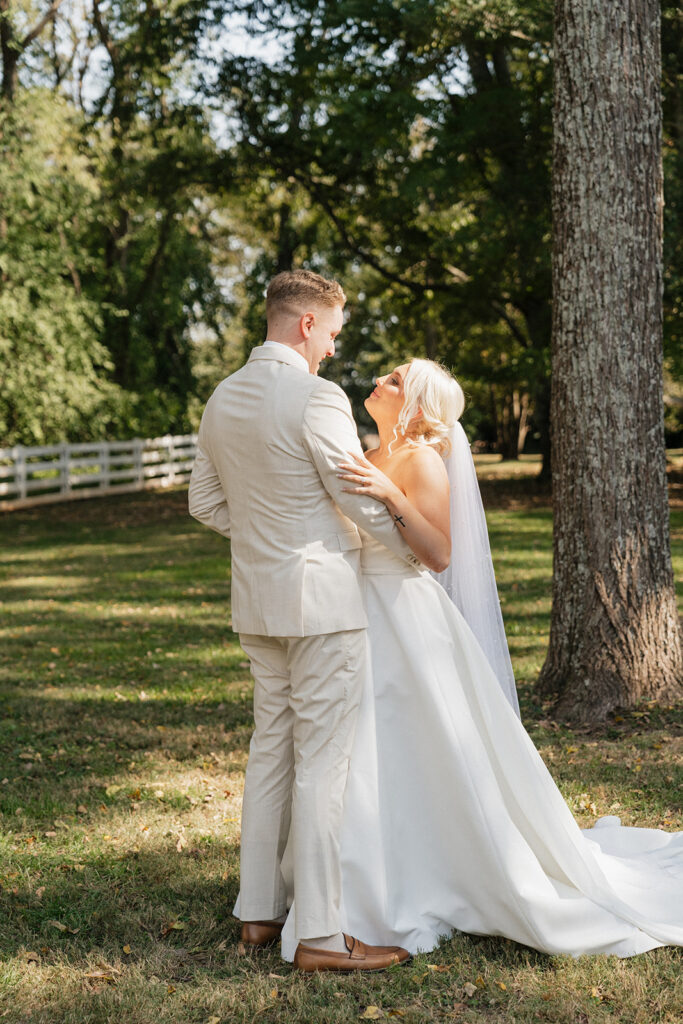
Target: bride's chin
(368, 405)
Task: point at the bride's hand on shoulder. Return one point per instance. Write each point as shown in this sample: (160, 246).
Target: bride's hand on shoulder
(367, 478)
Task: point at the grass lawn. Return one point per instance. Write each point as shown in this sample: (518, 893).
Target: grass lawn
(125, 717)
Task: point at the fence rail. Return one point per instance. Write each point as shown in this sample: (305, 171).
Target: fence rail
(64, 472)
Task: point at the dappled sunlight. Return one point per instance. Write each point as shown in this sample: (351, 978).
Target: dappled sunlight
(125, 726)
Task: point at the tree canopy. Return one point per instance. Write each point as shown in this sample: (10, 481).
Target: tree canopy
(181, 153)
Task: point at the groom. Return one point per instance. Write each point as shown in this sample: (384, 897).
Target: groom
(270, 441)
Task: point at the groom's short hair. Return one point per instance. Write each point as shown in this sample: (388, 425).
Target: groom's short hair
(291, 290)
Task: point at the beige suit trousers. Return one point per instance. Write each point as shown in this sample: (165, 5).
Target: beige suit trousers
(307, 692)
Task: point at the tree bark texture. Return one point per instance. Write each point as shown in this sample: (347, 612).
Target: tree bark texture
(615, 637)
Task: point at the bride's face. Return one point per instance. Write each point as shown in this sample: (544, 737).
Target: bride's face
(386, 400)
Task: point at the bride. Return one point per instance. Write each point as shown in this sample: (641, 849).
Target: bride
(451, 818)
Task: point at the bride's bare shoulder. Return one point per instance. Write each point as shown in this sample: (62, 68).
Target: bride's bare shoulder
(423, 464)
(423, 456)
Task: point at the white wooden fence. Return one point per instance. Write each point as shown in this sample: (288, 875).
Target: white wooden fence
(62, 472)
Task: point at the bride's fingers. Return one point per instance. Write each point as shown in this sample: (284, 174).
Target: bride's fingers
(352, 478)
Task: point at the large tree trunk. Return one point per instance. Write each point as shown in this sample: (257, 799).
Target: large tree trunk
(615, 635)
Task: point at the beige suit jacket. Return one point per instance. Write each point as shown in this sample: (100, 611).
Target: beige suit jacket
(265, 475)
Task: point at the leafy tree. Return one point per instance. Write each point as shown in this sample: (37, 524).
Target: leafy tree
(54, 368)
(422, 132)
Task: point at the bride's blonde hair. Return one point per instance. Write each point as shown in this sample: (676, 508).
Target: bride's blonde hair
(433, 394)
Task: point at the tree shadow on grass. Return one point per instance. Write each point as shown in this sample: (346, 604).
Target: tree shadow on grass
(63, 755)
(143, 898)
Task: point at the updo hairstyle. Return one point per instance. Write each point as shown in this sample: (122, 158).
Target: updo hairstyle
(431, 389)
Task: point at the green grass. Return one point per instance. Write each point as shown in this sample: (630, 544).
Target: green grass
(125, 717)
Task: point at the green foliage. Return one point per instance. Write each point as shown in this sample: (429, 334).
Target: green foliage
(421, 132)
(120, 229)
(403, 147)
(54, 368)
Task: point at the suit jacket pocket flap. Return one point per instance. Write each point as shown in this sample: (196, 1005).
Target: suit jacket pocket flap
(346, 541)
(349, 541)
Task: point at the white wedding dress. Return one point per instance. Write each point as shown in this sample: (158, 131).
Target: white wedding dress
(452, 820)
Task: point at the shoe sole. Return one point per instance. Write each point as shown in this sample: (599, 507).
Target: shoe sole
(351, 970)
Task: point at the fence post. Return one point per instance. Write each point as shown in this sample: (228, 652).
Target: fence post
(172, 460)
(138, 463)
(63, 463)
(105, 466)
(19, 457)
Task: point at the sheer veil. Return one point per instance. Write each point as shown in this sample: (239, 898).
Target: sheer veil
(469, 580)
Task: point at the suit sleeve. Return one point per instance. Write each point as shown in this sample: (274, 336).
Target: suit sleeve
(207, 501)
(329, 434)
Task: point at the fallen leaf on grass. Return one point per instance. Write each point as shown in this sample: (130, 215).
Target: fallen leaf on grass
(214, 1020)
(182, 842)
(126, 949)
(479, 982)
(469, 989)
(102, 975)
(371, 1013)
(502, 986)
(173, 926)
(113, 790)
(273, 993)
(396, 1013)
(441, 968)
(171, 989)
(64, 928)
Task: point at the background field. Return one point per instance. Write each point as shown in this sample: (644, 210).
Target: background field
(124, 725)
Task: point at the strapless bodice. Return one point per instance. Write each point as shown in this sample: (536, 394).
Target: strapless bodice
(376, 559)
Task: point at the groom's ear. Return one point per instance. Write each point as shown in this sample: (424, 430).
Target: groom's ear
(306, 324)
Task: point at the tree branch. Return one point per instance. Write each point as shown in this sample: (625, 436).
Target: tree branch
(37, 29)
(499, 308)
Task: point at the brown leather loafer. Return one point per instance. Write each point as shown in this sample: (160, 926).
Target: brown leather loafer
(359, 957)
(260, 933)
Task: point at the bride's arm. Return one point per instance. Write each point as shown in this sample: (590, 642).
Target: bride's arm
(420, 507)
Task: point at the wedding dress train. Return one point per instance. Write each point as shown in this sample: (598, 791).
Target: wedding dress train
(452, 820)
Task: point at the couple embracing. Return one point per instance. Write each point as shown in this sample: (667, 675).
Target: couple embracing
(392, 794)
